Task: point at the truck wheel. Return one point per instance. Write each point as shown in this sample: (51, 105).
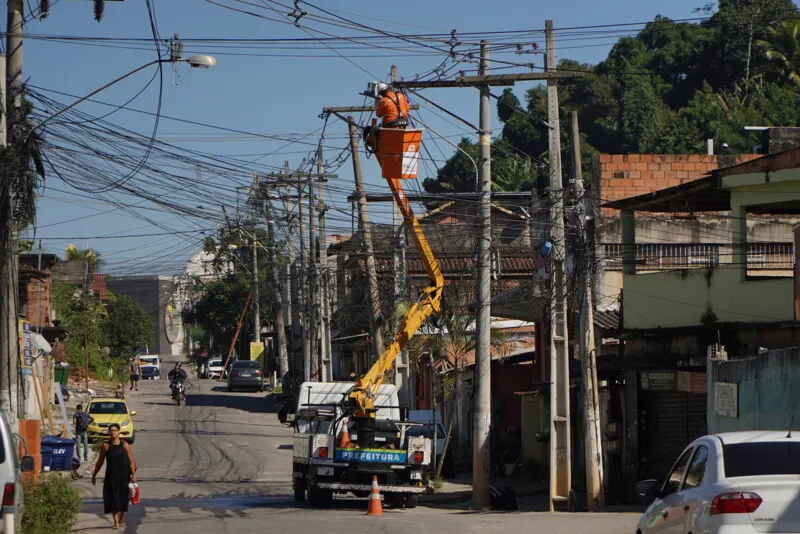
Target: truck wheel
(396, 500)
(411, 501)
(299, 493)
(314, 498)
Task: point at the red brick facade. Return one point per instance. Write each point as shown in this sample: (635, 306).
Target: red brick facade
(628, 175)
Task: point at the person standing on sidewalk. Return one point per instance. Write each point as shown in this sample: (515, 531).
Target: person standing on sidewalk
(120, 470)
(135, 372)
(82, 421)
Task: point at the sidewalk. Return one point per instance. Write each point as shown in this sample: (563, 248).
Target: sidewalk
(532, 494)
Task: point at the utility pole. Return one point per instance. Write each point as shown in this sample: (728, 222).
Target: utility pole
(302, 293)
(9, 357)
(313, 315)
(481, 457)
(256, 306)
(372, 279)
(323, 294)
(592, 444)
(277, 296)
(560, 461)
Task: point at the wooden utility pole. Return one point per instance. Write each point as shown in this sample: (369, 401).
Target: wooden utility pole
(481, 444)
(366, 233)
(560, 450)
(591, 431)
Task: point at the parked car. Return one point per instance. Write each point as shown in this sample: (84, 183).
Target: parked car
(215, 368)
(108, 410)
(245, 374)
(64, 393)
(732, 483)
(11, 469)
(426, 418)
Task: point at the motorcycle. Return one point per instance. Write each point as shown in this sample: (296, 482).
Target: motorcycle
(178, 391)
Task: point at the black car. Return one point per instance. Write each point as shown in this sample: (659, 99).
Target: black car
(245, 374)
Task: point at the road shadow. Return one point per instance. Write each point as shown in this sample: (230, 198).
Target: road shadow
(252, 404)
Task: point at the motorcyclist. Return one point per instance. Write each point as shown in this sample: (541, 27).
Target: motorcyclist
(177, 374)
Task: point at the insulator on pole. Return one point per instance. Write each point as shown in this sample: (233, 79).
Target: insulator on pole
(44, 9)
(99, 7)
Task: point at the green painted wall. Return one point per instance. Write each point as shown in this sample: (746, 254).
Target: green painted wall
(682, 298)
(768, 396)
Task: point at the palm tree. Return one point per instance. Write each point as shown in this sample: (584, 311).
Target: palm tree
(90, 256)
(783, 47)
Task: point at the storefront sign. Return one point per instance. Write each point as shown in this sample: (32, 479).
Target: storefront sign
(692, 382)
(659, 380)
(726, 399)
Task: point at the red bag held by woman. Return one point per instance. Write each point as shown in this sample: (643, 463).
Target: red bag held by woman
(134, 492)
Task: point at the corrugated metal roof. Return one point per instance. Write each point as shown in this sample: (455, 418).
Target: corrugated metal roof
(607, 320)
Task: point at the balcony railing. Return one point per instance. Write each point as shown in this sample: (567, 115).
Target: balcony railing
(651, 256)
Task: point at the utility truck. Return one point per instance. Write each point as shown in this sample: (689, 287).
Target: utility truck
(346, 433)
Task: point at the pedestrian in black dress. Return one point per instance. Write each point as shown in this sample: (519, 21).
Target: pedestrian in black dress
(120, 470)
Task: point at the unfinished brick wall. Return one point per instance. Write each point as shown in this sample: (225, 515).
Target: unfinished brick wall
(628, 175)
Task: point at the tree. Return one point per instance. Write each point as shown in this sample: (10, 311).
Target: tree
(90, 256)
(80, 312)
(783, 47)
(127, 328)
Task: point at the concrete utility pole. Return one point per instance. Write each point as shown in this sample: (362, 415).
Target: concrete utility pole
(9, 357)
(592, 443)
(312, 330)
(323, 294)
(277, 295)
(256, 307)
(560, 461)
(372, 279)
(302, 292)
(481, 458)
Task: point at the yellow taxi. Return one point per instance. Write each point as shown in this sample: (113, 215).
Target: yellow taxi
(108, 410)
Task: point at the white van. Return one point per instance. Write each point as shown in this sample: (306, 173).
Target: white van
(11, 474)
(151, 366)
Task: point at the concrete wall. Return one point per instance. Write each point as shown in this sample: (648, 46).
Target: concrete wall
(153, 294)
(682, 298)
(768, 391)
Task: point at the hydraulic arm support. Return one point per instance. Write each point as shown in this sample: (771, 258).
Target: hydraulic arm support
(430, 301)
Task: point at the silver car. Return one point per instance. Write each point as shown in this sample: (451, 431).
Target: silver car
(11, 477)
(245, 374)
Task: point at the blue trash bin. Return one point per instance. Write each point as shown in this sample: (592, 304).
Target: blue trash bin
(47, 458)
(60, 450)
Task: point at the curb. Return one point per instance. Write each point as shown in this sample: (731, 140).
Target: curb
(460, 497)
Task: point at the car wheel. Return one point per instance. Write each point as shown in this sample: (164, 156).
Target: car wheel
(132, 439)
(299, 493)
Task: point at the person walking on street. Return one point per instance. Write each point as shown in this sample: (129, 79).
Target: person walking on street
(135, 372)
(82, 420)
(120, 471)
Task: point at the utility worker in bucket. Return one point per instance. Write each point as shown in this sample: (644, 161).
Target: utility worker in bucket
(392, 107)
(392, 110)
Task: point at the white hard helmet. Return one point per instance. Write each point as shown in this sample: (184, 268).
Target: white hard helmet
(382, 87)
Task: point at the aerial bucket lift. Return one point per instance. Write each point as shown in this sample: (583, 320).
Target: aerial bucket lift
(397, 152)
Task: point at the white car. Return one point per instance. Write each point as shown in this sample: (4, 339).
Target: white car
(215, 368)
(10, 474)
(733, 483)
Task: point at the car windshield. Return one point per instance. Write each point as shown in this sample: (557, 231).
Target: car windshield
(108, 408)
(246, 365)
(762, 458)
(148, 361)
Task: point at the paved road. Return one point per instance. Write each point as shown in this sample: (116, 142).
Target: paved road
(222, 464)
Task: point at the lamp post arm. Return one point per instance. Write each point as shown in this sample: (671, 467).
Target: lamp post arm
(103, 88)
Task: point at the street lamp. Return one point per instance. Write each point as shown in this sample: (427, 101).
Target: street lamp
(198, 62)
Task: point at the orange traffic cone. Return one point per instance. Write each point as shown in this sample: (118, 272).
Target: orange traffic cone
(344, 436)
(375, 506)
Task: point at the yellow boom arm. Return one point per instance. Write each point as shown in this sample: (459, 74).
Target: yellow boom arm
(430, 301)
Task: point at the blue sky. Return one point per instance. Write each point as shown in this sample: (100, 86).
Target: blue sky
(264, 92)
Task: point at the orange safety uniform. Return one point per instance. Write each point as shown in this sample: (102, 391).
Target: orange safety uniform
(391, 107)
